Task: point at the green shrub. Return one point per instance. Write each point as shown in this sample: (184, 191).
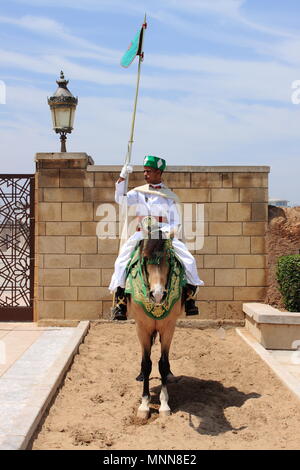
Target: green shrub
(288, 277)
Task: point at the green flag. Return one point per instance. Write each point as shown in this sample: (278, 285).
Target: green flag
(134, 48)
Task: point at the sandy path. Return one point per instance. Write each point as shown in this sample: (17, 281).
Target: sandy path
(224, 397)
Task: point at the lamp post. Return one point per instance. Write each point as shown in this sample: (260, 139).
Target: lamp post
(63, 105)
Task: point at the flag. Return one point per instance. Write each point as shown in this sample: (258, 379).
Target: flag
(134, 48)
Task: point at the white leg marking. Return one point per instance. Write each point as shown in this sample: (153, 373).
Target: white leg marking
(164, 409)
(144, 410)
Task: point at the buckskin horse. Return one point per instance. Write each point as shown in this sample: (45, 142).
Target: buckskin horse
(154, 285)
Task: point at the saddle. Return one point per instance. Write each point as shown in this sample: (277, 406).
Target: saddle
(138, 287)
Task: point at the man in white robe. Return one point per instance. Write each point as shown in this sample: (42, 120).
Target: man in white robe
(155, 199)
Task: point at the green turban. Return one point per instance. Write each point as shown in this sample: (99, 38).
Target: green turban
(155, 162)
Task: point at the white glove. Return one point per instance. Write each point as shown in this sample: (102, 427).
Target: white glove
(125, 170)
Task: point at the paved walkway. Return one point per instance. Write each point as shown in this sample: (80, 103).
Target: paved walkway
(33, 361)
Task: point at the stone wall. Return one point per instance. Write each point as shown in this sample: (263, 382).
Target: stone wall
(75, 267)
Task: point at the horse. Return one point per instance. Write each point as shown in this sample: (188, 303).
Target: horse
(155, 305)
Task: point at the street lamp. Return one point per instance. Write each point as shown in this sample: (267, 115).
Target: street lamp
(63, 105)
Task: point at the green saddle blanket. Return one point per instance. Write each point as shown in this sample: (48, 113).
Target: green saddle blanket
(137, 285)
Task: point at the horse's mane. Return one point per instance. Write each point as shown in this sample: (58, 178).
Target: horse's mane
(152, 246)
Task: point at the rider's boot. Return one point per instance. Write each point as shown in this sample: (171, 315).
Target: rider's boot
(120, 309)
(189, 300)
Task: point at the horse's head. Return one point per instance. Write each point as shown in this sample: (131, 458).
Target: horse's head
(154, 255)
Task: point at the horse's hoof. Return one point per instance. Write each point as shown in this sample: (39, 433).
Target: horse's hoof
(140, 377)
(143, 414)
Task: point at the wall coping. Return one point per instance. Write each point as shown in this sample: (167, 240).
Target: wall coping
(182, 169)
(264, 313)
(59, 156)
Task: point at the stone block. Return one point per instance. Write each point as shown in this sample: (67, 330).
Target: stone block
(51, 245)
(41, 228)
(89, 293)
(209, 247)
(49, 211)
(106, 179)
(207, 275)
(256, 277)
(253, 195)
(83, 310)
(97, 261)
(250, 261)
(258, 245)
(77, 211)
(215, 212)
(108, 246)
(62, 261)
(225, 195)
(206, 180)
(136, 179)
(225, 228)
(249, 293)
(81, 245)
(54, 277)
(227, 180)
(232, 310)
(199, 260)
(63, 194)
(233, 245)
(215, 293)
(193, 195)
(51, 309)
(76, 179)
(106, 275)
(85, 277)
(177, 180)
(230, 277)
(207, 309)
(89, 228)
(271, 327)
(105, 294)
(254, 228)
(219, 261)
(239, 211)
(63, 228)
(60, 293)
(106, 309)
(259, 211)
(250, 180)
(99, 194)
(48, 178)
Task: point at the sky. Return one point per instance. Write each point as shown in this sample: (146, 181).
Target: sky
(220, 82)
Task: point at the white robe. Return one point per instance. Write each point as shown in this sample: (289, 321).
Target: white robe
(152, 204)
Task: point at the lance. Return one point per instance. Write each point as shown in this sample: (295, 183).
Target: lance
(135, 48)
(140, 53)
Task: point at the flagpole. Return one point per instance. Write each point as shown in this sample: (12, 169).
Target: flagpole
(124, 234)
(130, 142)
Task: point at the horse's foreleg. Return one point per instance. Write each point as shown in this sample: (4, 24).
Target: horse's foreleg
(146, 366)
(164, 369)
(166, 334)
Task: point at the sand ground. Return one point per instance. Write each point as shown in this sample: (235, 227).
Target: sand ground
(223, 396)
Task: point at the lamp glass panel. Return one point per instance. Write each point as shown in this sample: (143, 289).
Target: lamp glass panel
(62, 117)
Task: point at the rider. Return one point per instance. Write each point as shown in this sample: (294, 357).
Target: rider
(155, 199)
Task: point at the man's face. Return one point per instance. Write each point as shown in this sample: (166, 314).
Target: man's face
(152, 175)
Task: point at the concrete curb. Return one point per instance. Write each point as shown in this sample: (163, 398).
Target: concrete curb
(286, 378)
(23, 415)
